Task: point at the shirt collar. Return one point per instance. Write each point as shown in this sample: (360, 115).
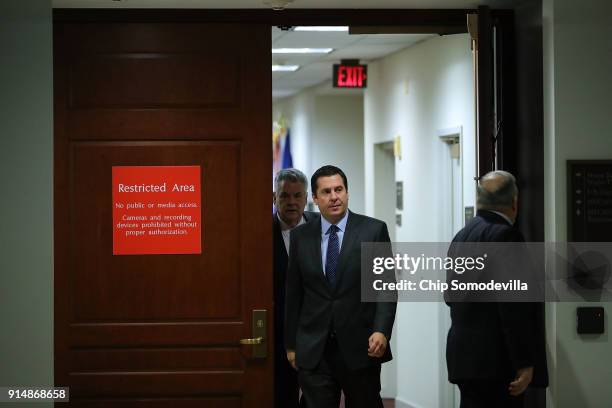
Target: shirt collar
(340, 224)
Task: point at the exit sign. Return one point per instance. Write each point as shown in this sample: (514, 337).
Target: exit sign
(350, 76)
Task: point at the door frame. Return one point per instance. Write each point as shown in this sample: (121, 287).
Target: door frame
(436, 21)
(442, 21)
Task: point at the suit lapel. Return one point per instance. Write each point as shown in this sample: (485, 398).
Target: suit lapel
(278, 236)
(351, 235)
(307, 216)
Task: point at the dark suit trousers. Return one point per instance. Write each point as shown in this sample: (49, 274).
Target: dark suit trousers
(286, 389)
(322, 386)
(488, 394)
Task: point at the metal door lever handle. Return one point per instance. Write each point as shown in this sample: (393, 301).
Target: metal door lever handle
(256, 340)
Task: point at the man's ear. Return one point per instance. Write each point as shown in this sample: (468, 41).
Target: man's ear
(273, 198)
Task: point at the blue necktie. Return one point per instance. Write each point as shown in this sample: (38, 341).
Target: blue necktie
(333, 253)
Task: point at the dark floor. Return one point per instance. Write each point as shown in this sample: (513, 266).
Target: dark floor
(388, 403)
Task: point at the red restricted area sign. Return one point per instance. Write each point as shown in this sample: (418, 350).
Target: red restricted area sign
(156, 210)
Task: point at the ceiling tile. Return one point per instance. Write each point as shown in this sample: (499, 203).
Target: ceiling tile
(405, 39)
(296, 59)
(317, 68)
(364, 52)
(276, 34)
(303, 39)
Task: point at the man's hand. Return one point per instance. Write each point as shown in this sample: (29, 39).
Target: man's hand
(377, 345)
(291, 358)
(522, 380)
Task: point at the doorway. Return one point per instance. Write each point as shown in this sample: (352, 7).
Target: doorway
(124, 115)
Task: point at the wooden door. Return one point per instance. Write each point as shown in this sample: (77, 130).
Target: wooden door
(162, 330)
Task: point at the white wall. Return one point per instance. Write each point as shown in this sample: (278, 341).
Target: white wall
(26, 207)
(577, 89)
(298, 112)
(338, 139)
(327, 129)
(413, 94)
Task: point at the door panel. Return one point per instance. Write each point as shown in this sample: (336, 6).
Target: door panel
(162, 330)
(173, 81)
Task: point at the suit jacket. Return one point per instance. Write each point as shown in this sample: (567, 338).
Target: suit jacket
(314, 309)
(280, 273)
(492, 340)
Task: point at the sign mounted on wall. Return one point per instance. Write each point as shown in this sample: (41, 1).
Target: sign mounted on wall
(156, 210)
(350, 74)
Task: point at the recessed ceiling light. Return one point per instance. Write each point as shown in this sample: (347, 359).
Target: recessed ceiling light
(285, 68)
(301, 50)
(321, 28)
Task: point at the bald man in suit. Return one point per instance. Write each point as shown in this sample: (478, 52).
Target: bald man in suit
(495, 350)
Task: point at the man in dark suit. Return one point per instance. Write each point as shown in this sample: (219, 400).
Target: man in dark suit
(495, 350)
(335, 341)
(290, 189)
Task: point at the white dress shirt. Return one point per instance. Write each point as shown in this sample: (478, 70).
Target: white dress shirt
(286, 230)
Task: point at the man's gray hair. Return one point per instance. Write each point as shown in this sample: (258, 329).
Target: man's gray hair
(496, 190)
(291, 175)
